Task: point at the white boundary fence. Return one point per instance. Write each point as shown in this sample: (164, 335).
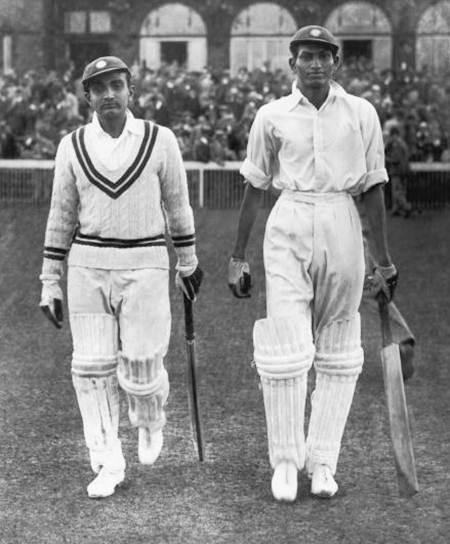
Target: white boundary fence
(210, 185)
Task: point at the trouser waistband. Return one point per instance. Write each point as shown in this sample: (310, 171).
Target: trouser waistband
(315, 197)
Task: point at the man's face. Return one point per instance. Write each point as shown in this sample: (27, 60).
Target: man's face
(314, 65)
(109, 95)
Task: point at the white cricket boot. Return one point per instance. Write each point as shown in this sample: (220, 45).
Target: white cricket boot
(110, 475)
(322, 482)
(105, 483)
(284, 482)
(149, 445)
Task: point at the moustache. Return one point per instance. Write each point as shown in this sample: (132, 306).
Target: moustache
(109, 103)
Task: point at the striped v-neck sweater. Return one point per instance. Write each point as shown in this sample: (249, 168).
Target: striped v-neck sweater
(115, 216)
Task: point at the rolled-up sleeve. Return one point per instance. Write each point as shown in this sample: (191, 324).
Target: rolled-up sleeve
(374, 148)
(258, 164)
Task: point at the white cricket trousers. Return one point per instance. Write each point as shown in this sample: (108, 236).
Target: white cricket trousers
(120, 322)
(314, 266)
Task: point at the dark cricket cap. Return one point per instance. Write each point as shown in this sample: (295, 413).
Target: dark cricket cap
(103, 65)
(314, 34)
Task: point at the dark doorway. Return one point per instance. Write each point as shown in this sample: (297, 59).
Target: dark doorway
(83, 52)
(352, 49)
(174, 51)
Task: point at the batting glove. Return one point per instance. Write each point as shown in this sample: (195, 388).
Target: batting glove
(383, 280)
(51, 302)
(189, 284)
(239, 278)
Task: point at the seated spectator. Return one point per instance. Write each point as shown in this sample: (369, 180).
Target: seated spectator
(219, 150)
(416, 103)
(9, 148)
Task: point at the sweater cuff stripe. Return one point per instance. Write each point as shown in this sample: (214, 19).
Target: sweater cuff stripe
(184, 244)
(56, 249)
(183, 240)
(55, 253)
(183, 237)
(54, 257)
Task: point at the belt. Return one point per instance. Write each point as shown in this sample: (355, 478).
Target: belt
(315, 197)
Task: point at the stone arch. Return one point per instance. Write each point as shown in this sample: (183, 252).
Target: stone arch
(260, 34)
(173, 32)
(433, 38)
(363, 29)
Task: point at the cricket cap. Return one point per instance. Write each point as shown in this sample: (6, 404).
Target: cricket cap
(314, 34)
(103, 65)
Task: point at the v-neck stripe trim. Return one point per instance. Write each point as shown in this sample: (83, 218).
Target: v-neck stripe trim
(115, 188)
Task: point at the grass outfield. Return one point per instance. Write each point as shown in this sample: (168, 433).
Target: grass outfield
(227, 499)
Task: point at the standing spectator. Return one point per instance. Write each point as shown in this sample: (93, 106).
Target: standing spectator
(219, 150)
(424, 144)
(397, 164)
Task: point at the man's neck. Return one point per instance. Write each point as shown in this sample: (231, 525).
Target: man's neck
(316, 95)
(114, 126)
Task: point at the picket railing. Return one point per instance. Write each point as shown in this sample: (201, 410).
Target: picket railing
(211, 185)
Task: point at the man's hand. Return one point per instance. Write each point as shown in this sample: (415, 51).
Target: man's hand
(189, 284)
(239, 279)
(383, 280)
(51, 302)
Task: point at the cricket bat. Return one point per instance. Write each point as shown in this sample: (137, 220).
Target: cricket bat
(194, 408)
(397, 408)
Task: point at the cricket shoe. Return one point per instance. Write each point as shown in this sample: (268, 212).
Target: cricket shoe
(322, 482)
(105, 483)
(284, 481)
(149, 445)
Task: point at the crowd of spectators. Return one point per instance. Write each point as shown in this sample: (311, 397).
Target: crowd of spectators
(211, 112)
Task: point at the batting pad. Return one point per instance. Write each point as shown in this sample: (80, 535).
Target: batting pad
(283, 353)
(94, 364)
(338, 362)
(146, 382)
(94, 344)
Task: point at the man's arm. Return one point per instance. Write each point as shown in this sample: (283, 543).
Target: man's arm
(239, 279)
(61, 223)
(373, 202)
(384, 278)
(257, 170)
(179, 215)
(247, 215)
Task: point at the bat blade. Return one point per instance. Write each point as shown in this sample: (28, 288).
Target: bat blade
(194, 408)
(193, 399)
(399, 420)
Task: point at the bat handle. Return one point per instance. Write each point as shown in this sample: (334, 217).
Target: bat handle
(386, 331)
(188, 318)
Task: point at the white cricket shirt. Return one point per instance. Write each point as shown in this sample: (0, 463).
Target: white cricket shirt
(295, 146)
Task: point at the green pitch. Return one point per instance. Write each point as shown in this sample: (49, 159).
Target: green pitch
(43, 464)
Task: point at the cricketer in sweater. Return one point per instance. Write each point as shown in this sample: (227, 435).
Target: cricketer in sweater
(119, 187)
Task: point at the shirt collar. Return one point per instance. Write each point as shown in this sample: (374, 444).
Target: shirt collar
(297, 96)
(132, 125)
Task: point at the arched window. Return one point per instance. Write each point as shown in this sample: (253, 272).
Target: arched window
(260, 34)
(433, 38)
(173, 32)
(363, 30)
